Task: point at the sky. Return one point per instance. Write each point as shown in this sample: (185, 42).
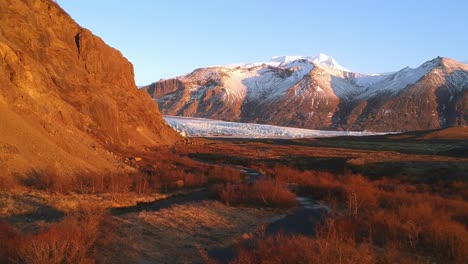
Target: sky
(167, 38)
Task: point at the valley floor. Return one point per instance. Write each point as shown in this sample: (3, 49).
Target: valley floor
(184, 222)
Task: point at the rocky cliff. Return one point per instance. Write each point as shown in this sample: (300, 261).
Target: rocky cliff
(67, 100)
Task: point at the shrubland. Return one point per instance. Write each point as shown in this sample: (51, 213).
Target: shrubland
(373, 220)
(379, 221)
(72, 240)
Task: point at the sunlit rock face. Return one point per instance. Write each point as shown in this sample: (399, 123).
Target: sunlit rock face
(66, 98)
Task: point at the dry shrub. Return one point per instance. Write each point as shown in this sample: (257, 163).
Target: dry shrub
(276, 249)
(336, 243)
(175, 172)
(423, 223)
(449, 240)
(230, 193)
(272, 193)
(194, 180)
(7, 234)
(392, 254)
(91, 183)
(361, 195)
(418, 228)
(262, 193)
(39, 181)
(139, 183)
(319, 185)
(223, 174)
(70, 241)
(329, 246)
(176, 179)
(408, 222)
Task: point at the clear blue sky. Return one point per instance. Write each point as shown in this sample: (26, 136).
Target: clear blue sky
(167, 38)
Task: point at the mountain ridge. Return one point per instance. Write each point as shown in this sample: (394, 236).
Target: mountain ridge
(300, 91)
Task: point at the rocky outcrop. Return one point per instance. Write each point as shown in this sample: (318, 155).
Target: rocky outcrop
(67, 100)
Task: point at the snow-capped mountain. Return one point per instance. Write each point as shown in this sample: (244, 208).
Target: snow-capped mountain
(318, 93)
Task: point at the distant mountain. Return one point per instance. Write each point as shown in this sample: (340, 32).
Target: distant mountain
(68, 101)
(318, 93)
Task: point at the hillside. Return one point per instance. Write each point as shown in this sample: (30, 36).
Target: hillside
(68, 101)
(452, 133)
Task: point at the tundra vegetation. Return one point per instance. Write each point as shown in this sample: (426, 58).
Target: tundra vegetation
(381, 211)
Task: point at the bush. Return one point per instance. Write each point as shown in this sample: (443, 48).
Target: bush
(70, 241)
(408, 222)
(329, 246)
(261, 193)
(222, 174)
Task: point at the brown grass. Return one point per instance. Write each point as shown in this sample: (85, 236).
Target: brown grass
(172, 235)
(452, 133)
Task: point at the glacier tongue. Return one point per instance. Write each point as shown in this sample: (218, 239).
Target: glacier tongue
(201, 127)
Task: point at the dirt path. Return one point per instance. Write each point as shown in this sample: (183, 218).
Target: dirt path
(195, 196)
(177, 232)
(303, 221)
(176, 229)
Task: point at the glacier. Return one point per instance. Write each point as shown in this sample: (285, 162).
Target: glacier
(202, 127)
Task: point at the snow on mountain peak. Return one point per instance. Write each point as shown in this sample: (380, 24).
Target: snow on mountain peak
(321, 58)
(328, 61)
(269, 80)
(286, 59)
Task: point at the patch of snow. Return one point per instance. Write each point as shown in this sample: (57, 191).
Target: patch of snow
(235, 84)
(270, 83)
(285, 61)
(343, 88)
(393, 82)
(250, 83)
(366, 80)
(201, 127)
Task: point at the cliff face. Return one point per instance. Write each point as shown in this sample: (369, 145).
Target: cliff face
(66, 98)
